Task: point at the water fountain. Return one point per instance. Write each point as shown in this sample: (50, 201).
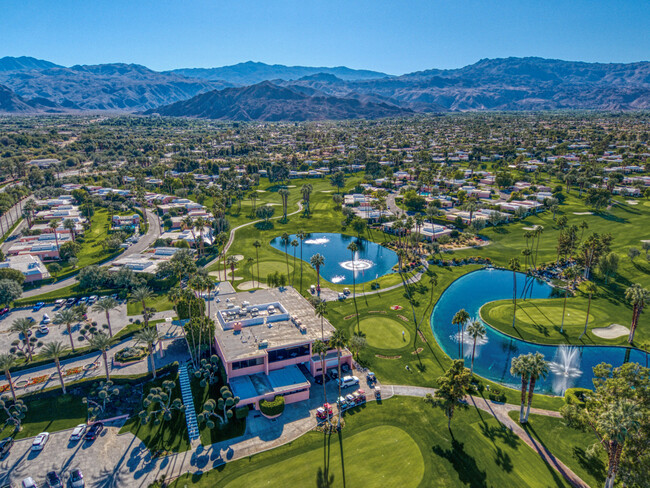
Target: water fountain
(565, 368)
(317, 241)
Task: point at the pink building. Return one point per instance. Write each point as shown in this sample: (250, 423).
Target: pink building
(264, 339)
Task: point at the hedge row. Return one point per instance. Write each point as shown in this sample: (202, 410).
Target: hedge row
(274, 407)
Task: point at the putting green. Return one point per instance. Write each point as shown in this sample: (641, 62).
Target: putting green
(268, 267)
(383, 456)
(542, 314)
(384, 332)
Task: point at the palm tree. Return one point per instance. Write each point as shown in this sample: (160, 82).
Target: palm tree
(320, 348)
(514, 266)
(306, 194)
(285, 240)
(188, 223)
(460, 319)
(353, 248)
(66, 317)
(102, 342)
(148, 337)
(618, 423)
(105, 305)
(589, 288)
(54, 351)
(8, 361)
(232, 262)
(539, 230)
(301, 235)
(638, 297)
(317, 261)
(284, 194)
(476, 330)
(23, 327)
(29, 209)
(69, 224)
(294, 244)
(570, 275)
(199, 225)
(520, 366)
(257, 244)
(53, 225)
(321, 311)
(537, 368)
(338, 341)
(141, 294)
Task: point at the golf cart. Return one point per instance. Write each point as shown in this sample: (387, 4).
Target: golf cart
(323, 413)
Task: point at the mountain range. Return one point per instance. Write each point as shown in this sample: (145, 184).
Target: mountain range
(258, 91)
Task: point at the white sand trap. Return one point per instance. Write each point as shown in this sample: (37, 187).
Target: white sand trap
(631, 202)
(583, 213)
(260, 191)
(326, 191)
(249, 285)
(530, 228)
(272, 204)
(238, 257)
(611, 332)
(291, 186)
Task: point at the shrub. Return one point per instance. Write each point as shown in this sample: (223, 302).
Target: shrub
(129, 354)
(576, 396)
(497, 395)
(273, 407)
(241, 412)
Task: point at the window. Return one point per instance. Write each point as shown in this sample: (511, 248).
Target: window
(247, 363)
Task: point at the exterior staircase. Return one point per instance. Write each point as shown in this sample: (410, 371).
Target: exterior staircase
(188, 401)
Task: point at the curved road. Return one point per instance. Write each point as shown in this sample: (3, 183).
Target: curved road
(143, 243)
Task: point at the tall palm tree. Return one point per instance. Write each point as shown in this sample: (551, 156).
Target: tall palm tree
(188, 224)
(68, 224)
(103, 343)
(23, 327)
(514, 266)
(317, 260)
(338, 341)
(149, 337)
(520, 366)
(140, 295)
(29, 209)
(302, 236)
(589, 288)
(294, 244)
(638, 297)
(232, 262)
(54, 351)
(306, 196)
(284, 194)
(476, 330)
(199, 226)
(286, 240)
(537, 368)
(53, 225)
(257, 244)
(321, 311)
(619, 422)
(539, 230)
(105, 305)
(353, 248)
(66, 317)
(570, 274)
(460, 319)
(8, 361)
(320, 348)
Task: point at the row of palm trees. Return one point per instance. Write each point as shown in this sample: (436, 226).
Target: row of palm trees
(475, 329)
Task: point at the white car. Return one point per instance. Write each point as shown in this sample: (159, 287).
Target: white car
(43, 329)
(40, 440)
(29, 483)
(46, 319)
(348, 381)
(77, 479)
(78, 432)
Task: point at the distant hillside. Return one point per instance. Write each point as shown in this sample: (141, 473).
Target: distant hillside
(268, 102)
(113, 87)
(249, 73)
(11, 103)
(22, 63)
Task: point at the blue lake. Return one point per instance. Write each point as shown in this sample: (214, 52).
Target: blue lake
(370, 261)
(570, 367)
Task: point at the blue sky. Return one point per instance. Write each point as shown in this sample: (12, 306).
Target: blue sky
(395, 36)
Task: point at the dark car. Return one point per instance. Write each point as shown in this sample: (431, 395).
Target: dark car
(94, 431)
(54, 480)
(5, 446)
(4, 312)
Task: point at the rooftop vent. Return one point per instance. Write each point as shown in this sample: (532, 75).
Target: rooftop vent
(263, 344)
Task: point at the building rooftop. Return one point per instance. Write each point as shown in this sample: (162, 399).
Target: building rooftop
(296, 323)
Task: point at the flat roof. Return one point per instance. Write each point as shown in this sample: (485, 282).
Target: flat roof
(278, 381)
(237, 345)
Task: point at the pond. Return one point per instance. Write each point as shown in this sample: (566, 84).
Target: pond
(570, 366)
(370, 261)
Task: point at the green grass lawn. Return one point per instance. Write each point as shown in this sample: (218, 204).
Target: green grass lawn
(569, 446)
(384, 332)
(234, 428)
(541, 320)
(383, 445)
(158, 302)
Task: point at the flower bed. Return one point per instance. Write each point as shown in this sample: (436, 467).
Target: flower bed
(38, 380)
(130, 355)
(71, 371)
(4, 388)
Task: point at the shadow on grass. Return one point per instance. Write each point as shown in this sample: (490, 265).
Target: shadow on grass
(465, 465)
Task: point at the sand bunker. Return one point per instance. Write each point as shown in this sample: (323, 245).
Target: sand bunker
(631, 202)
(611, 332)
(326, 191)
(250, 285)
(530, 228)
(260, 191)
(583, 213)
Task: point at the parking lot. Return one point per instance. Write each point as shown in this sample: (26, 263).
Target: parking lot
(119, 320)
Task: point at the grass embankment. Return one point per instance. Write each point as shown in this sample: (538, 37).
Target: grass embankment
(382, 445)
(540, 320)
(569, 446)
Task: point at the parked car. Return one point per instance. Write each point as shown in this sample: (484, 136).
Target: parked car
(114, 296)
(94, 431)
(5, 446)
(70, 302)
(44, 329)
(92, 299)
(54, 480)
(38, 306)
(82, 301)
(4, 311)
(333, 373)
(40, 440)
(347, 381)
(29, 483)
(45, 319)
(78, 432)
(77, 479)
(31, 319)
(59, 303)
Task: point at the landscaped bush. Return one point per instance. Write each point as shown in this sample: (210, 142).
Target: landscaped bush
(576, 396)
(273, 407)
(130, 354)
(497, 395)
(241, 412)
